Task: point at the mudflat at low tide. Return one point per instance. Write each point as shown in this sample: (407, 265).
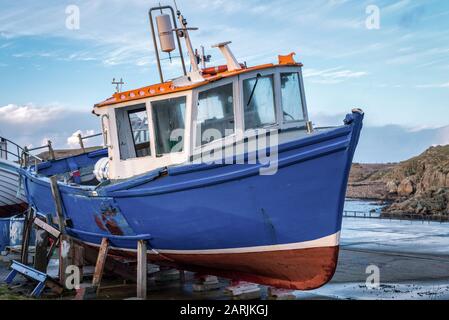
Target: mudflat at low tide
(412, 265)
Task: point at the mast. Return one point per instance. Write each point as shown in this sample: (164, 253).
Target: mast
(195, 74)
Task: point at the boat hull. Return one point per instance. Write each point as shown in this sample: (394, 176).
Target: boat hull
(280, 230)
(11, 202)
(315, 266)
(271, 266)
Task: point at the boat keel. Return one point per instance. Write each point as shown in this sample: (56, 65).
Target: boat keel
(315, 266)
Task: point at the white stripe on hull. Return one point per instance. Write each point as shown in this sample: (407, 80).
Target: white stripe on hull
(329, 241)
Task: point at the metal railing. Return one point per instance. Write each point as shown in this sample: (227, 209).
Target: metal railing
(397, 216)
(5, 152)
(51, 152)
(9, 150)
(81, 140)
(361, 214)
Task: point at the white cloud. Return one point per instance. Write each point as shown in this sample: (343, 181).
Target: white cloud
(333, 75)
(28, 114)
(31, 54)
(388, 143)
(127, 42)
(397, 6)
(73, 141)
(44, 141)
(435, 85)
(444, 136)
(5, 45)
(34, 125)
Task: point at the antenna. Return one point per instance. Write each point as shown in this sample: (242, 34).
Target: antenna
(195, 74)
(204, 58)
(118, 85)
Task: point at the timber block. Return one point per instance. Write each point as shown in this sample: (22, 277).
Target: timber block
(167, 276)
(153, 268)
(244, 291)
(86, 292)
(281, 294)
(206, 283)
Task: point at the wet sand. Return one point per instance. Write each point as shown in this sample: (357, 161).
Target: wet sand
(394, 266)
(412, 257)
(402, 276)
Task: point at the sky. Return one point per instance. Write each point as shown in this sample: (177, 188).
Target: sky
(396, 68)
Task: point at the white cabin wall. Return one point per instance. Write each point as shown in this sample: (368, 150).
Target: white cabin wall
(123, 169)
(303, 92)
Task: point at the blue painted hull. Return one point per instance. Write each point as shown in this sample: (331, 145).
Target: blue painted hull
(193, 212)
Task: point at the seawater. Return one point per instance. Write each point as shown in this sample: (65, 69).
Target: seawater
(363, 206)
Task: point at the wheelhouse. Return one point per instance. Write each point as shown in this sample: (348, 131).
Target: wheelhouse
(170, 128)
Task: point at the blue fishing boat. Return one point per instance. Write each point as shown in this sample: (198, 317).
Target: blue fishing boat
(220, 170)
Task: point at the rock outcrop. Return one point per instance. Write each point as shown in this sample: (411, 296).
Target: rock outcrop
(416, 186)
(366, 181)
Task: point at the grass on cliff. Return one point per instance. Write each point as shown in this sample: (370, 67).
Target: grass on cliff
(433, 159)
(6, 294)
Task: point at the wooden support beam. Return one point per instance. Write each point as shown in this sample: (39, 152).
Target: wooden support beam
(142, 269)
(43, 233)
(78, 259)
(66, 255)
(58, 203)
(40, 258)
(53, 246)
(48, 228)
(124, 270)
(101, 262)
(27, 228)
(55, 286)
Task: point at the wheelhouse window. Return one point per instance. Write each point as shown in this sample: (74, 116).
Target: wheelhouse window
(169, 125)
(259, 105)
(292, 104)
(133, 132)
(215, 117)
(141, 135)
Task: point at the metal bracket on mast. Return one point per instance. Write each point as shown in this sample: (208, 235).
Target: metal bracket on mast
(195, 75)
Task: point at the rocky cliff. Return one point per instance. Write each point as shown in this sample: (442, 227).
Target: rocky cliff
(419, 185)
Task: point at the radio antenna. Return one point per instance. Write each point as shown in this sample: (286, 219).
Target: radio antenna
(176, 6)
(118, 85)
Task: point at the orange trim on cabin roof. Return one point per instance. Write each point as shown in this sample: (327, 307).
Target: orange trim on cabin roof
(168, 87)
(288, 59)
